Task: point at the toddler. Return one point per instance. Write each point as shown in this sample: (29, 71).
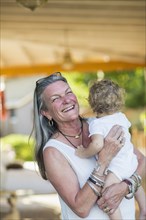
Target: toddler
(106, 99)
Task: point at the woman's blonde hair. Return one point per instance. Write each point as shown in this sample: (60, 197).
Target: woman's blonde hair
(106, 97)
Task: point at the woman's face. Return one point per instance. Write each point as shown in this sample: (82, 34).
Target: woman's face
(62, 104)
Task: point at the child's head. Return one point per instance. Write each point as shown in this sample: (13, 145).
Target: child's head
(106, 97)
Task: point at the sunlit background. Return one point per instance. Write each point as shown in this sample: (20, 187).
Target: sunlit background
(85, 40)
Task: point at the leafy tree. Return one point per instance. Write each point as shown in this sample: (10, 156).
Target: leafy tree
(132, 81)
(134, 84)
(22, 145)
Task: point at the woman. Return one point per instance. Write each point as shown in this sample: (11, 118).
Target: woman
(59, 130)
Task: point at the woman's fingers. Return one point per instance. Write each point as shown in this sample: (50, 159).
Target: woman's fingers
(105, 203)
(111, 197)
(122, 141)
(115, 131)
(116, 135)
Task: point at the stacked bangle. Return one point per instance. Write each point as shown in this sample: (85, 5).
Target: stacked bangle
(96, 192)
(133, 184)
(95, 181)
(97, 168)
(137, 179)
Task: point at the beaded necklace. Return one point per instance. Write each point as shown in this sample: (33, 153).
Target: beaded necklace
(74, 136)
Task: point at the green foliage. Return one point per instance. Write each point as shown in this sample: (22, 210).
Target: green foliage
(132, 81)
(78, 84)
(143, 120)
(21, 144)
(134, 84)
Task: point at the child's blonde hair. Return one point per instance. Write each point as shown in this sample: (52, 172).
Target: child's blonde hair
(106, 97)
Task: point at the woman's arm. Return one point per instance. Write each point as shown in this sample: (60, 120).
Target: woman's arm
(65, 181)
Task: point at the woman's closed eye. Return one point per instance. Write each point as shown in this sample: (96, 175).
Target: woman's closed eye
(54, 99)
(69, 92)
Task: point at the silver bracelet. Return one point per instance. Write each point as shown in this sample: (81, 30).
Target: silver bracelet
(97, 181)
(97, 168)
(96, 192)
(138, 179)
(132, 187)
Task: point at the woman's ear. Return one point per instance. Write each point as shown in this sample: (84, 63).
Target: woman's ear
(46, 114)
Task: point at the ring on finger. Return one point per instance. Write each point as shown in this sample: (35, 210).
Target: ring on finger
(122, 144)
(110, 211)
(120, 139)
(106, 209)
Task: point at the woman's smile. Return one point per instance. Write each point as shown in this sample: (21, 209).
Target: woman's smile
(68, 108)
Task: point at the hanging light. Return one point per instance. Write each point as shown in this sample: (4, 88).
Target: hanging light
(31, 4)
(67, 61)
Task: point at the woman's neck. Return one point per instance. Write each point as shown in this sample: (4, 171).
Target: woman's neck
(75, 133)
(70, 128)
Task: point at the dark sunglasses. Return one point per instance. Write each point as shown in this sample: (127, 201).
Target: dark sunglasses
(42, 79)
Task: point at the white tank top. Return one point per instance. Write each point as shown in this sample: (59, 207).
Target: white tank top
(83, 169)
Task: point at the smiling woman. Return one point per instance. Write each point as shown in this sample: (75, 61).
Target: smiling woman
(59, 130)
(54, 101)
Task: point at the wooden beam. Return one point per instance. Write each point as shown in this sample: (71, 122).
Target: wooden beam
(14, 71)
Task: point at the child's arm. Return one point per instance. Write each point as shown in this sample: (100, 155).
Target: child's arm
(141, 200)
(93, 148)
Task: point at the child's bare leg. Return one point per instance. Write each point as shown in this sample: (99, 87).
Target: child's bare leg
(141, 200)
(111, 179)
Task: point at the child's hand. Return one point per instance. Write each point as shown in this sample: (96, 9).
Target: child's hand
(79, 151)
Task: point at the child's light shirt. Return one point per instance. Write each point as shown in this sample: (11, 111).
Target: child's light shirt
(125, 162)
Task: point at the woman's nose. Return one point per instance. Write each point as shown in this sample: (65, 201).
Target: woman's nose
(65, 99)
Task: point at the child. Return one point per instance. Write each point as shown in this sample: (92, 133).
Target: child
(106, 99)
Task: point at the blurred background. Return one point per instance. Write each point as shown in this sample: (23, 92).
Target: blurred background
(85, 40)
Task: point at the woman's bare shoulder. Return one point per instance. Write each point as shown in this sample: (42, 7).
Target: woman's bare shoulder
(51, 152)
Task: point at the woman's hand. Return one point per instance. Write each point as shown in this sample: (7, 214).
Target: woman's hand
(112, 196)
(113, 142)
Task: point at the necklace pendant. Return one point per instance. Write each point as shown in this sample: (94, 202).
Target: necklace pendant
(77, 136)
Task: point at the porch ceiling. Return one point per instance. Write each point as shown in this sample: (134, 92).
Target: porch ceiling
(98, 34)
